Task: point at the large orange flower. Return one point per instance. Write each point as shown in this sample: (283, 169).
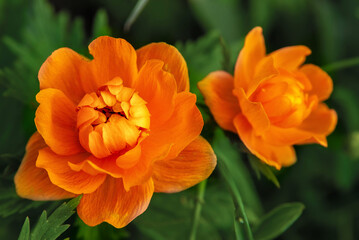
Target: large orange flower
(115, 129)
(273, 101)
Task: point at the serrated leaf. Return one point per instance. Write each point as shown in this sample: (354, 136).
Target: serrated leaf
(274, 223)
(52, 227)
(43, 33)
(261, 168)
(41, 225)
(25, 230)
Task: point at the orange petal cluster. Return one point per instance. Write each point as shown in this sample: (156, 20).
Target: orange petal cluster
(273, 101)
(115, 129)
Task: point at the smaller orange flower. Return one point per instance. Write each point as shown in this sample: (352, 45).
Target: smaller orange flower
(273, 101)
(115, 129)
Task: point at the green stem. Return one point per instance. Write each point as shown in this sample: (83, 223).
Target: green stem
(241, 220)
(340, 65)
(197, 211)
(134, 14)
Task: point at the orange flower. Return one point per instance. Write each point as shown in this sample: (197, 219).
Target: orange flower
(273, 101)
(115, 129)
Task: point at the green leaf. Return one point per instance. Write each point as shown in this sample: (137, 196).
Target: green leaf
(43, 33)
(354, 144)
(241, 223)
(25, 230)
(99, 232)
(329, 28)
(274, 223)
(261, 168)
(52, 227)
(224, 16)
(229, 155)
(100, 26)
(347, 100)
(169, 216)
(10, 202)
(202, 56)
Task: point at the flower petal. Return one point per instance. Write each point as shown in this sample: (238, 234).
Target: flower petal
(276, 156)
(322, 84)
(118, 133)
(158, 88)
(182, 127)
(217, 90)
(321, 121)
(288, 136)
(32, 182)
(63, 176)
(64, 70)
(253, 111)
(174, 62)
(290, 58)
(111, 203)
(129, 158)
(56, 122)
(142, 171)
(252, 52)
(194, 164)
(113, 57)
(314, 129)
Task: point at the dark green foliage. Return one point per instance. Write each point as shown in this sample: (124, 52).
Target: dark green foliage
(261, 168)
(50, 228)
(274, 223)
(43, 33)
(25, 230)
(209, 34)
(102, 231)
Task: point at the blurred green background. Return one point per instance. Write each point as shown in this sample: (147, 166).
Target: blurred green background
(209, 34)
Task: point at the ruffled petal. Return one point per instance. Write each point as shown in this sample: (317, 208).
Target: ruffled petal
(182, 127)
(32, 182)
(118, 132)
(113, 57)
(111, 203)
(158, 88)
(152, 151)
(276, 156)
(289, 136)
(314, 129)
(56, 122)
(265, 70)
(290, 58)
(322, 84)
(174, 62)
(63, 176)
(321, 122)
(253, 111)
(194, 164)
(252, 52)
(65, 70)
(217, 90)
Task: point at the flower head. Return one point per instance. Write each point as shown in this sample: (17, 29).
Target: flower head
(115, 129)
(273, 101)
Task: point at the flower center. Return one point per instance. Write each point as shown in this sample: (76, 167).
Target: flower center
(112, 120)
(283, 99)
